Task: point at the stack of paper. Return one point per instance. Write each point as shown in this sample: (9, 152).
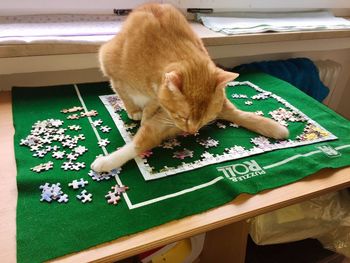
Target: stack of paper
(244, 23)
(58, 28)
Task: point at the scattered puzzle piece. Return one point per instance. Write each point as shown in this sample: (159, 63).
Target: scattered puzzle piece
(119, 189)
(63, 198)
(170, 144)
(183, 154)
(105, 129)
(91, 113)
(74, 127)
(58, 154)
(221, 125)
(73, 117)
(72, 156)
(112, 198)
(80, 149)
(73, 109)
(103, 175)
(40, 153)
(52, 192)
(97, 123)
(85, 196)
(67, 165)
(77, 184)
(239, 96)
(42, 167)
(103, 142)
(208, 143)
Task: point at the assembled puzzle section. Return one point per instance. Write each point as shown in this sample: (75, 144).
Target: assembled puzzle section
(221, 141)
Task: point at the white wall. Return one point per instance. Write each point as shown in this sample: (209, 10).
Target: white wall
(15, 7)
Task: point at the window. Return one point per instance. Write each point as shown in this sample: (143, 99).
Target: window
(17, 7)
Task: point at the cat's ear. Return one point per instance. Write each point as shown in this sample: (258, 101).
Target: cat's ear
(173, 81)
(222, 77)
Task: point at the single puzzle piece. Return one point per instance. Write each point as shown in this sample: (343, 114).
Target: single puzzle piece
(85, 196)
(96, 176)
(56, 191)
(42, 167)
(45, 186)
(73, 117)
(63, 199)
(236, 150)
(73, 109)
(239, 96)
(77, 166)
(220, 125)
(97, 123)
(234, 125)
(262, 96)
(46, 141)
(105, 129)
(72, 156)
(248, 102)
(46, 196)
(61, 131)
(261, 142)
(183, 154)
(40, 153)
(208, 143)
(80, 149)
(74, 127)
(55, 123)
(119, 189)
(112, 198)
(103, 142)
(67, 165)
(53, 148)
(77, 184)
(91, 113)
(79, 137)
(170, 144)
(35, 148)
(130, 126)
(58, 154)
(207, 156)
(69, 143)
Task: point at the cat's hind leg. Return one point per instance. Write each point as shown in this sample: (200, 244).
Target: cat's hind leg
(134, 111)
(151, 133)
(253, 122)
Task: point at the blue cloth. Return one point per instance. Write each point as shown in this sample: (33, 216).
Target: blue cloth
(300, 72)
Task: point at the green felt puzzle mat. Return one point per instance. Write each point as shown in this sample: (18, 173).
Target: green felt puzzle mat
(60, 130)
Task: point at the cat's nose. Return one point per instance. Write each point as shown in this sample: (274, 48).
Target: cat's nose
(193, 129)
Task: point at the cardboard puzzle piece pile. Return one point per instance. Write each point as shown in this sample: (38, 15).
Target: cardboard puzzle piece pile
(48, 138)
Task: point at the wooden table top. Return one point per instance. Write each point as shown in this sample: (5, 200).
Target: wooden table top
(243, 207)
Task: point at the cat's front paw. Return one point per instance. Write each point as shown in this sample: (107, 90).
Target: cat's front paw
(279, 133)
(136, 116)
(102, 164)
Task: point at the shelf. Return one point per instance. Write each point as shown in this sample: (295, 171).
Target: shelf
(210, 39)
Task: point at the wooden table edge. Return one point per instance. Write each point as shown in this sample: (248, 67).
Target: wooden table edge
(243, 207)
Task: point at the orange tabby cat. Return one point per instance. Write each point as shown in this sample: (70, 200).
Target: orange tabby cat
(165, 77)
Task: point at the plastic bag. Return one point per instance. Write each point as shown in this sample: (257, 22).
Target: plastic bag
(326, 218)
